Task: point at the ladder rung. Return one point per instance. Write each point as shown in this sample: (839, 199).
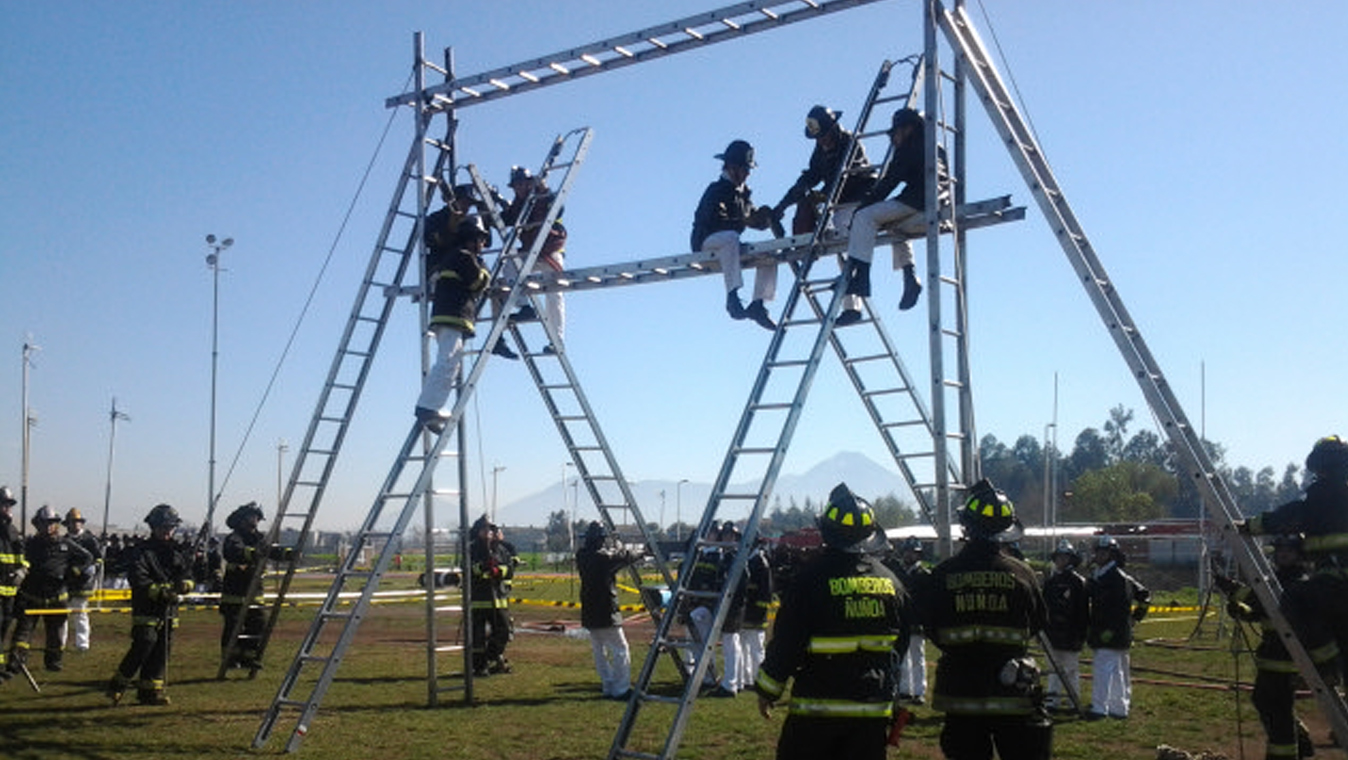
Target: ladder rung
(867, 358)
(791, 362)
(287, 702)
(755, 450)
(701, 594)
(885, 392)
(663, 700)
(905, 423)
(638, 755)
(773, 405)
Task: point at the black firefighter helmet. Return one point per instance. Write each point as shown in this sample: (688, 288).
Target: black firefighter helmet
(989, 515)
(847, 520)
(163, 515)
(238, 518)
(1329, 457)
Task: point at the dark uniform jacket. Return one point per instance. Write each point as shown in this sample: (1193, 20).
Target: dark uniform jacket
(734, 616)
(840, 633)
(822, 167)
(758, 591)
(11, 558)
(492, 571)
(538, 213)
(1117, 602)
(1321, 514)
(52, 563)
(158, 572)
(457, 279)
(723, 207)
(908, 165)
(1271, 654)
(985, 609)
(916, 579)
(598, 585)
(706, 576)
(1069, 609)
(240, 552)
(84, 583)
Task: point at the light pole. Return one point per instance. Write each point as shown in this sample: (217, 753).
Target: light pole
(570, 533)
(29, 419)
(678, 510)
(213, 261)
(113, 416)
(281, 449)
(495, 470)
(662, 510)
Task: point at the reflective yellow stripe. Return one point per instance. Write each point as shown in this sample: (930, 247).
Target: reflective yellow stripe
(1280, 750)
(839, 708)
(769, 685)
(847, 644)
(1326, 543)
(993, 634)
(11, 559)
(983, 705)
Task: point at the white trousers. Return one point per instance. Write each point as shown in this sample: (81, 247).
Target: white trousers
(725, 246)
(866, 224)
(730, 661)
(1070, 663)
(612, 660)
(913, 671)
(554, 302)
(700, 617)
(440, 379)
(751, 654)
(1112, 683)
(79, 615)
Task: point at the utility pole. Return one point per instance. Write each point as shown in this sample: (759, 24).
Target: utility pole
(678, 510)
(113, 417)
(213, 261)
(281, 449)
(29, 420)
(495, 470)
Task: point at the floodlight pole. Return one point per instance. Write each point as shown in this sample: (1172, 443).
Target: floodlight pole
(28, 421)
(213, 261)
(113, 417)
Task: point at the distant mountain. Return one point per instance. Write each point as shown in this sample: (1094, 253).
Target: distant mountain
(687, 501)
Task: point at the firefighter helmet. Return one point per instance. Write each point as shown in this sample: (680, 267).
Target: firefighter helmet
(472, 227)
(1107, 542)
(905, 117)
(45, 516)
(988, 514)
(162, 515)
(520, 174)
(1329, 456)
(7, 497)
(72, 517)
(738, 153)
(595, 534)
(820, 121)
(911, 544)
(481, 528)
(847, 520)
(238, 518)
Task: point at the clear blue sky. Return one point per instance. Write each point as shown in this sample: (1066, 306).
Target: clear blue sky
(1200, 144)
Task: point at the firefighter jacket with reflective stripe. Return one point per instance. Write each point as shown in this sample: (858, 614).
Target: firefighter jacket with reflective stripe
(493, 569)
(985, 608)
(1321, 514)
(240, 551)
(723, 207)
(824, 163)
(156, 573)
(11, 557)
(1118, 601)
(440, 229)
(1069, 609)
(1271, 655)
(758, 591)
(706, 576)
(598, 567)
(840, 633)
(52, 561)
(456, 279)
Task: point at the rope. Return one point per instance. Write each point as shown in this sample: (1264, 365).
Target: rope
(308, 302)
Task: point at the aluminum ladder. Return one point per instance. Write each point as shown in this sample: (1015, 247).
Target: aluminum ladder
(407, 483)
(1195, 462)
(394, 252)
(799, 360)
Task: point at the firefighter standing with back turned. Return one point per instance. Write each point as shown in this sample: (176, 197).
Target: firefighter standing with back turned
(839, 633)
(1321, 515)
(12, 570)
(160, 573)
(986, 608)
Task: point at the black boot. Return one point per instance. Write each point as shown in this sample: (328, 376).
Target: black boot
(912, 288)
(733, 305)
(860, 284)
(503, 351)
(759, 313)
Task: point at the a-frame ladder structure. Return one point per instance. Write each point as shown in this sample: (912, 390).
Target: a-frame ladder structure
(977, 66)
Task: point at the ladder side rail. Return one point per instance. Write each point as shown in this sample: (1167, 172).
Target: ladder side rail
(689, 33)
(1156, 390)
(357, 315)
(970, 460)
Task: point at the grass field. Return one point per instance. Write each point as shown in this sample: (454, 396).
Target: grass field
(549, 708)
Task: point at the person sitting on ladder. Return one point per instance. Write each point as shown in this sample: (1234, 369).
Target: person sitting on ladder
(457, 280)
(722, 214)
(832, 144)
(907, 165)
(552, 256)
